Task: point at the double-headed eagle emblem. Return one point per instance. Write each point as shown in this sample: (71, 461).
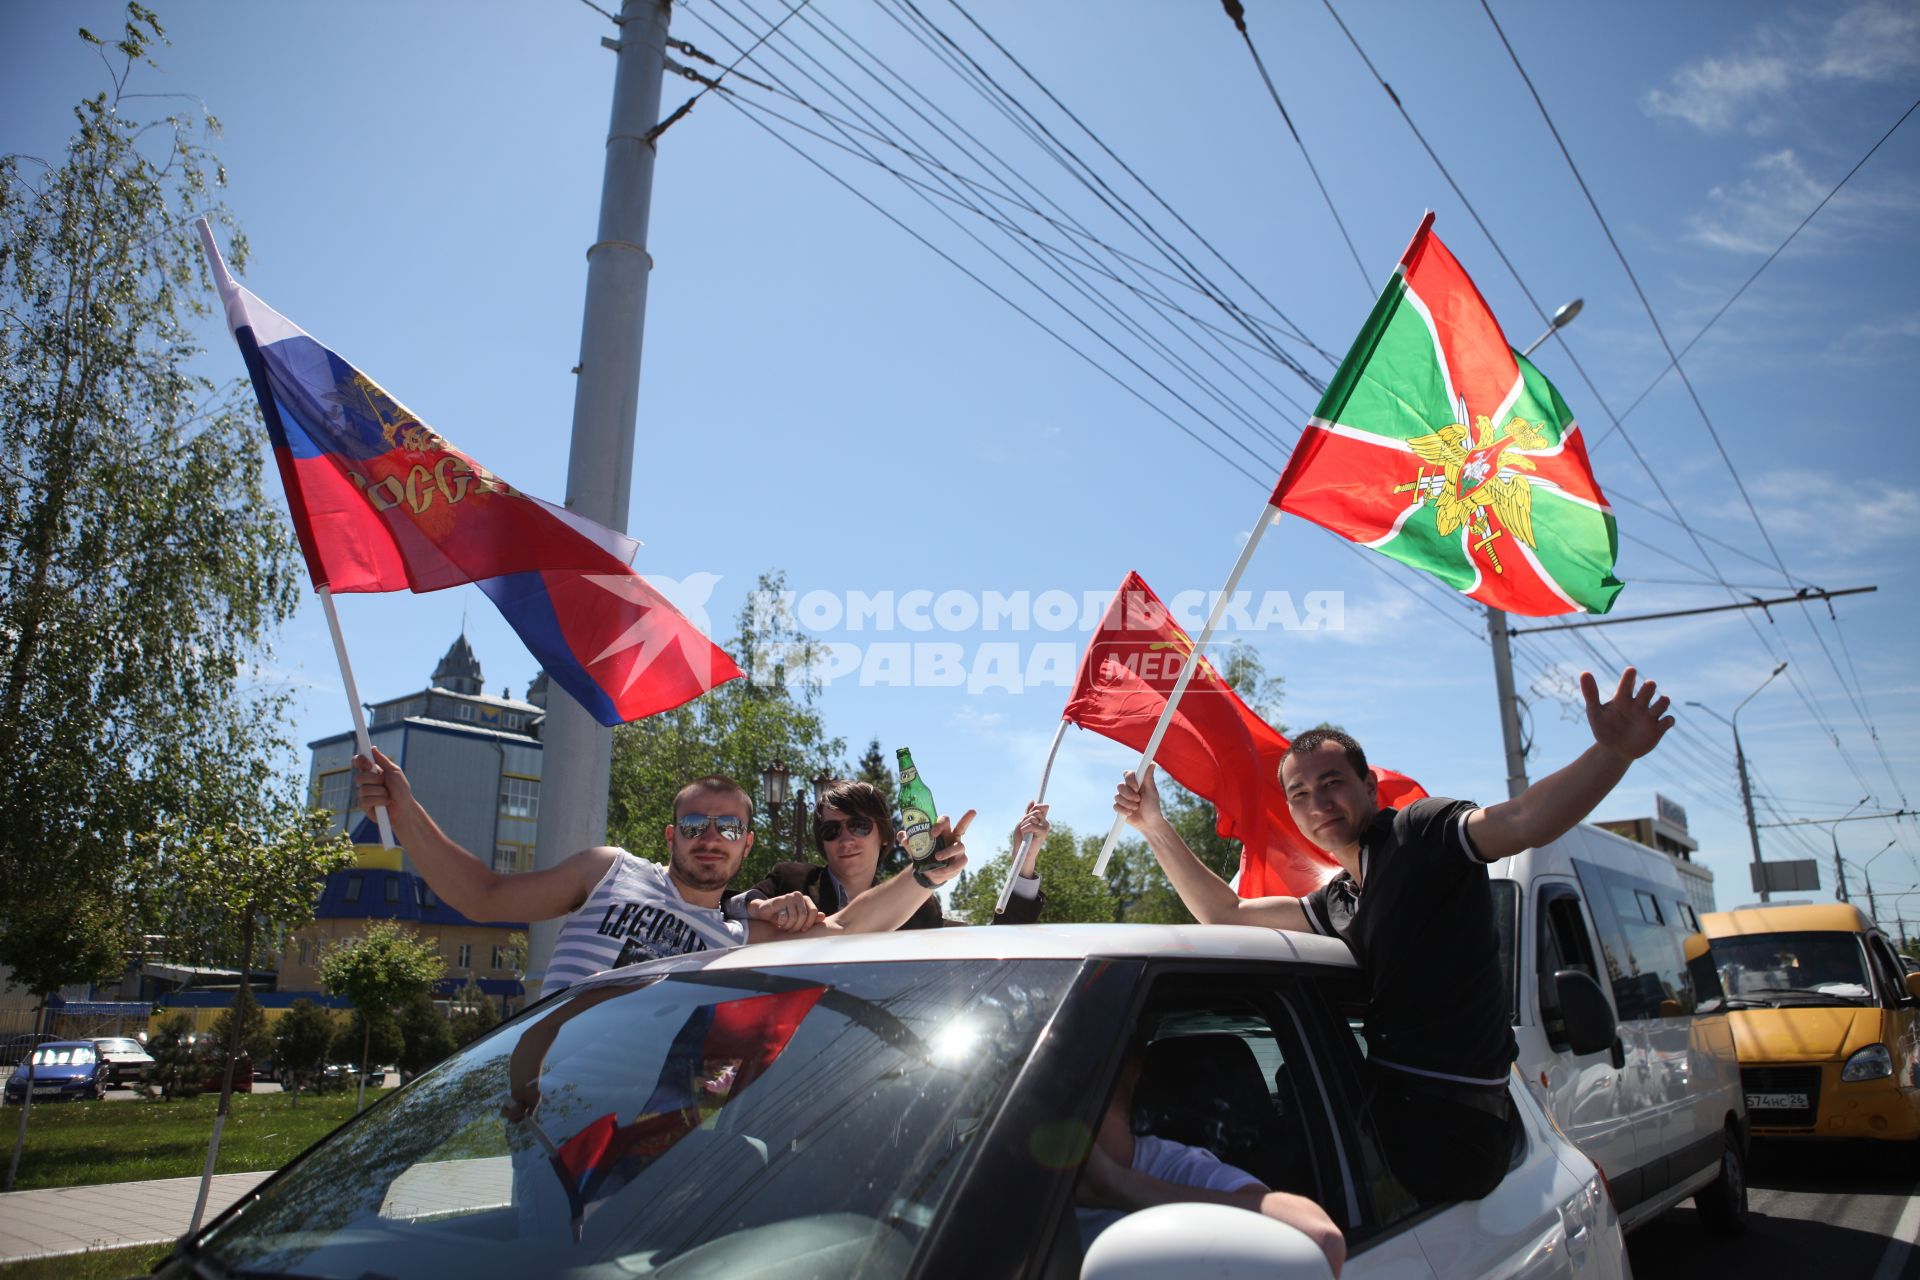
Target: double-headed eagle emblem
(1479, 469)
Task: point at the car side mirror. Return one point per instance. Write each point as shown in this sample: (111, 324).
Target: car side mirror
(1913, 985)
(1590, 1022)
(1212, 1240)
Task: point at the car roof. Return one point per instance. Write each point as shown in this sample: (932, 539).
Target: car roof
(1811, 917)
(1043, 942)
(66, 1044)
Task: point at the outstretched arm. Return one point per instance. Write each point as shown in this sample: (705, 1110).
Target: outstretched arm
(467, 884)
(1211, 899)
(887, 906)
(1626, 727)
(1107, 1184)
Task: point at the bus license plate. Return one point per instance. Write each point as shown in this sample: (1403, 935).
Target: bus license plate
(1776, 1102)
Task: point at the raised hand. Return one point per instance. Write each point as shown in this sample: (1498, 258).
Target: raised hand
(1137, 800)
(378, 781)
(1033, 823)
(946, 863)
(1629, 724)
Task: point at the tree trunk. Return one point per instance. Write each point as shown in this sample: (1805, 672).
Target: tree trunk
(360, 1076)
(226, 1079)
(26, 1102)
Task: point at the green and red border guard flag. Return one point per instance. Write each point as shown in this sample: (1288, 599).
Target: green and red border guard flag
(1441, 446)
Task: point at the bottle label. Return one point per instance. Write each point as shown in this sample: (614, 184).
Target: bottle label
(916, 829)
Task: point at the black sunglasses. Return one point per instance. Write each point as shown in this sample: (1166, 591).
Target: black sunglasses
(692, 824)
(830, 828)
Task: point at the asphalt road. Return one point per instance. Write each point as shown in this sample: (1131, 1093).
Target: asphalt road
(1820, 1211)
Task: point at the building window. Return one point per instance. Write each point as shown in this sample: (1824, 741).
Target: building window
(427, 898)
(509, 857)
(465, 956)
(353, 888)
(466, 711)
(393, 889)
(333, 791)
(306, 951)
(519, 796)
(499, 957)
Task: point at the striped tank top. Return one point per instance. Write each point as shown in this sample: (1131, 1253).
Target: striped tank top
(634, 914)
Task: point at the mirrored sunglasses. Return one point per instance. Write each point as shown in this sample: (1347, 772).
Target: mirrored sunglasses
(692, 824)
(830, 829)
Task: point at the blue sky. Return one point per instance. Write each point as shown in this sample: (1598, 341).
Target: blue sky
(825, 396)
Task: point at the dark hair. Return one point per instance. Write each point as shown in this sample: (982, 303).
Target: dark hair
(1312, 739)
(717, 783)
(859, 799)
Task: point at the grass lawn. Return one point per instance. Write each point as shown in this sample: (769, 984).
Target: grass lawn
(101, 1264)
(74, 1144)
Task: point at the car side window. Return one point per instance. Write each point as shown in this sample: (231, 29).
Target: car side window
(1887, 972)
(1643, 952)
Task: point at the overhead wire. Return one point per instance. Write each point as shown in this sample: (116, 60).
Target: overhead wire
(1371, 561)
(1693, 394)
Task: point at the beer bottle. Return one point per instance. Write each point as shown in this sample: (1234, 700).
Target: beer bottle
(917, 812)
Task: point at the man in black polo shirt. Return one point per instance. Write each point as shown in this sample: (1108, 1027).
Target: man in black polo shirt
(1413, 903)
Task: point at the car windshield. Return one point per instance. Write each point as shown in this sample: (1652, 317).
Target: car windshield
(63, 1055)
(1793, 968)
(698, 1122)
(119, 1046)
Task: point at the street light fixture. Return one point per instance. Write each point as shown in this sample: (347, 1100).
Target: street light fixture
(1497, 635)
(1867, 871)
(1839, 867)
(1746, 788)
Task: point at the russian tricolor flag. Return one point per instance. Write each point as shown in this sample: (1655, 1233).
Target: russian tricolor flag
(380, 502)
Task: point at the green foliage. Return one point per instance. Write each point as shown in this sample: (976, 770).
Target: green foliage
(737, 730)
(425, 1036)
(1074, 894)
(473, 1014)
(382, 968)
(179, 1068)
(875, 767)
(301, 1037)
(368, 1042)
(144, 565)
(251, 1035)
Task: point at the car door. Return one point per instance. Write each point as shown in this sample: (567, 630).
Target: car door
(1516, 1231)
(1588, 1095)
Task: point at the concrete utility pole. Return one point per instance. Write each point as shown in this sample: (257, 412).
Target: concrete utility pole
(1746, 787)
(1497, 628)
(577, 753)
(1840, 867)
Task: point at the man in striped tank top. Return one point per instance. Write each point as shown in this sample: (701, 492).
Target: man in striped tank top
(621, 909)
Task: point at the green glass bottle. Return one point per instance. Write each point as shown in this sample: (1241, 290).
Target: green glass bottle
(917, 812)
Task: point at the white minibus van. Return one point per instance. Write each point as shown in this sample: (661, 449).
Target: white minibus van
(1645, 1079)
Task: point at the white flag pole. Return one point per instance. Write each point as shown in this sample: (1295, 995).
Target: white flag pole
(1269, 516)
(236, 313)
(1020, 854)
(362, 743)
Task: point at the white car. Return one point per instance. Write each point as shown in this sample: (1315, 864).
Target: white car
(126, 1058)
(916, 1104)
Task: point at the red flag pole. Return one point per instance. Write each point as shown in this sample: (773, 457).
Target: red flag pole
(1019, 855)
(1269, 516)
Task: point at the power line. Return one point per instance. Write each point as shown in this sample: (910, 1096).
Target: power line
(1692, 393)
(1238, 13)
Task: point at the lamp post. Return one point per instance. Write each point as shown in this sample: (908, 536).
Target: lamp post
(1502, 642)
(1746, 788)
(1840, 867)
(1873, 911)
(776, 788)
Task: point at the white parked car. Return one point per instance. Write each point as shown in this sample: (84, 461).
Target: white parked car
(901, 1104)
(125, 1058)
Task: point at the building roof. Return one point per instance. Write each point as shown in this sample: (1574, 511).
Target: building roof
(1808, 917)
(459, 670)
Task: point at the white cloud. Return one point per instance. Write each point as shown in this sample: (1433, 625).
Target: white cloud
(1877, 40)
(1714, 93)
(1755, 214)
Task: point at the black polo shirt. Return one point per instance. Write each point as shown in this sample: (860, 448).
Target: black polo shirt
(1421, 925)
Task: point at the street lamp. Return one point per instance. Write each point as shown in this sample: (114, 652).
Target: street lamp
(1839, 868)
(1867, 871)
(1746, 788)
(1501, 643)
(776, 788)
(1561, 319)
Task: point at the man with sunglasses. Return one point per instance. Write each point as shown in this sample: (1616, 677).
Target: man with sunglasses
(852, 830)
(621, 909)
